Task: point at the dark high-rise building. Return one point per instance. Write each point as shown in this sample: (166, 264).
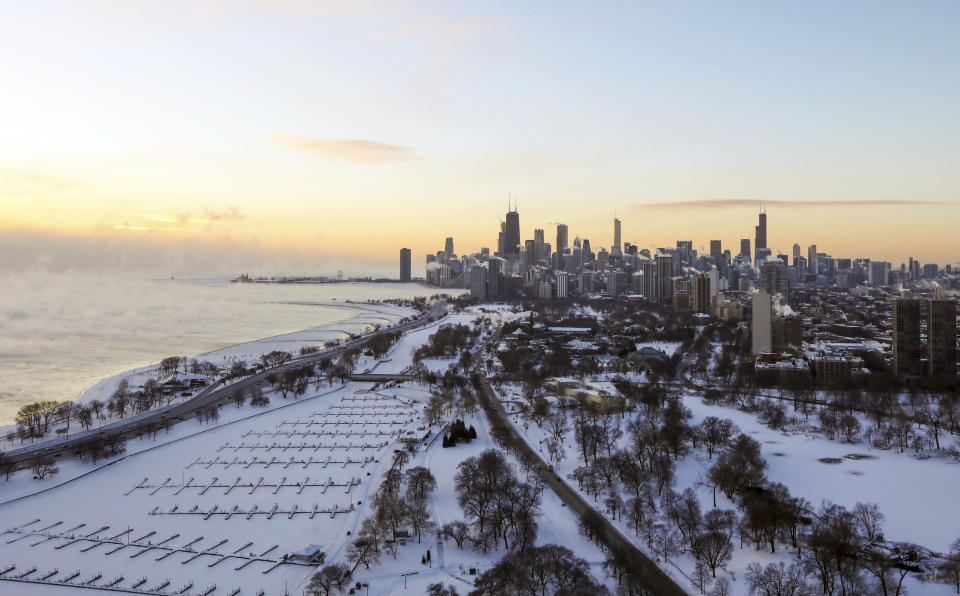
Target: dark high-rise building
(812, 259)
(665, 278)
(511, 235)
(405, 259)
(478, 282)
(906, 336)
(685, 250)
(529, 253)
(761, 235)
(617, 243)
(561, 238)
(701, 294)
(942, 336)
(745, 247)
(538, 247)
(448, 246)
(495, 278)
(716, 251)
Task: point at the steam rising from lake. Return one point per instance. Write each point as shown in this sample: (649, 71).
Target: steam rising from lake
(61, 332)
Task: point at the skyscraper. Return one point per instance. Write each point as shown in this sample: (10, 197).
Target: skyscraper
(761, 329)
(796, 254)
(745, 247)
(617, 244)
(701, 294)
(538, 247)
(761, 235)
(511, 235)
(405, 259)
(906, 336)
(716, 251)
(665, 278)
(448, 246)
(561, 238)
(942, 336)
(650, 287)
(478, 282)
(812, 259)
(773, 277)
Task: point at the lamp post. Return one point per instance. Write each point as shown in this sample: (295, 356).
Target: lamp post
(404, 575)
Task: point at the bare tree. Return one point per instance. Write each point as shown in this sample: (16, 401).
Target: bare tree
(44, 466)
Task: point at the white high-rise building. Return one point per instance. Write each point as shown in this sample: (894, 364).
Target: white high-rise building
(563, 283)
(650, 286)
(761, 330)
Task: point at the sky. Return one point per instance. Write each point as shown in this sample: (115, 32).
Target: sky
(313, 136)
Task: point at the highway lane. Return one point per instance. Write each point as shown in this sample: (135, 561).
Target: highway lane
(219, 392)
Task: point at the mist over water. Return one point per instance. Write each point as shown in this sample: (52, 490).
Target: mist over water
(61, 332)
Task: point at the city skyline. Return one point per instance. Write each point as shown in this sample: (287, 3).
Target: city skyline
(353, 129)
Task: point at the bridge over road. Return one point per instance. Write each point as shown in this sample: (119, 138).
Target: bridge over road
(378, 377)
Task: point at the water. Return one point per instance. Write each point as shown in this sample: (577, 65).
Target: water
(62, 332)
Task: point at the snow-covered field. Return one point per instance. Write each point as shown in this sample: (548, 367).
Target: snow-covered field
(220, 504)
(916, 496)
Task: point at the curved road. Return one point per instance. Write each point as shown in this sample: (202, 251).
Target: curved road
(217, 393)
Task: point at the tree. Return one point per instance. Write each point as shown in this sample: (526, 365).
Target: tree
(776, 579)
(438, 589)
(547, 569)
(833, 548)
(329, 580)
(458, 531)
(949, 569)
(419, 517)
(400, 459)
(592, 524)
(363, 550)
(7, 466)
(539, 412)
(740, 466)
(420, 483)
(44, 466)
(170, 364)
(478, 482)
(557, 426)
(716, 433)
(714, 546)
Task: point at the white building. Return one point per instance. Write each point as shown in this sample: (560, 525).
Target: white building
(761, 330)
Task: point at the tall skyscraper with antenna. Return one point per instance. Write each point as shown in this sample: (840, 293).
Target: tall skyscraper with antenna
(511, 233)
(760, 241)
(617, 243)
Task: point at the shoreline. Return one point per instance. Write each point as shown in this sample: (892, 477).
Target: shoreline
(106, 385)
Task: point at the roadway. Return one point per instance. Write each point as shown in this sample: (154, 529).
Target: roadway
(640, 566)
(218, 393)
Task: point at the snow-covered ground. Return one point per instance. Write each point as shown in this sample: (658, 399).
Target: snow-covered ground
(916, 496)
(222, 503)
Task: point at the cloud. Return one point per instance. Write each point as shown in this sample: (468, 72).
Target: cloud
(13, 182)
(348, 150)
(755, 203)
(231, 213)
(106, 249)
